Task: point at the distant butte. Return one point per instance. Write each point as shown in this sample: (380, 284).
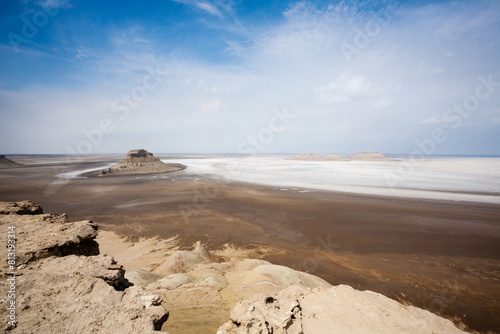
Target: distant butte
(315, 157)
(369, 156)
(138, 161)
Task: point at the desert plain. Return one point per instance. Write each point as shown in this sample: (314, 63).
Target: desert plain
(437, 254)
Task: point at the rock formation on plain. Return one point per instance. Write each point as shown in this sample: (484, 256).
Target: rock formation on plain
(140, 162)
(332, 157)
(315, 157)
(7, 163)
(65, 286)
(369, 156)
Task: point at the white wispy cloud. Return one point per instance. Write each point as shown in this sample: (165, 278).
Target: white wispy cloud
(205, 6)
(213, 106)
(343, 90)
(209, 8)
(433, 120)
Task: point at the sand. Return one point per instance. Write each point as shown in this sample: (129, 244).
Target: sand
(439, 255)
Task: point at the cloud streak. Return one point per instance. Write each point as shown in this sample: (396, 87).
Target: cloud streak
(205, 6)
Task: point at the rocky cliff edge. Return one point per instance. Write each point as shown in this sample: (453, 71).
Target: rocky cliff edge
(63, 285)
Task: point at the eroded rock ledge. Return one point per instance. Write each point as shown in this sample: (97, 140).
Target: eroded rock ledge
(63, 285)
(338, 309)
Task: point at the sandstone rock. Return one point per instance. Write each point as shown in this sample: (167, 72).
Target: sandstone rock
(339, 309)
(184, 261)
(58, 291)
(206, 292)
(20, 208)
(142, 277)
(369, 156)
(45, 235)
(138, 162)
(69, 295)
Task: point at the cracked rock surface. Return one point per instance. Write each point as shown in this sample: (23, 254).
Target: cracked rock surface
(337, 309)
(62, 285)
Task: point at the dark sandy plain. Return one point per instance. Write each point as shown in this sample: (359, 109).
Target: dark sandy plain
(438, 255)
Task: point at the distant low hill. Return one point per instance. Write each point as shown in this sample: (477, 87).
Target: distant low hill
(7, 163)
(315, 157)
(369, 156)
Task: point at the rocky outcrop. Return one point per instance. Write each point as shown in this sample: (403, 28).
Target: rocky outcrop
(45, 235)
(369, 156)
(61, 285)
(138, 162)
(7, 163)
(201, 293)
(20, 208)
(338, 309)
(315, 157)
(72, 295)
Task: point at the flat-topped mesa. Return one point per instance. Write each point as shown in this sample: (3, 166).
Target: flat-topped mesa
(138, 161)
(141, 153)
(315, 157)
(139, 156)
(369, 156)
(307, 157)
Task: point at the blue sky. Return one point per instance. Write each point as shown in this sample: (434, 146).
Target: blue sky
(211, 75)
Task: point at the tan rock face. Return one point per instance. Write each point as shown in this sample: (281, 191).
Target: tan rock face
(141, 153)
(62, 285)
(44, 235)
(20, 208)
(71, 294)
(339, 309)
(264, 297)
